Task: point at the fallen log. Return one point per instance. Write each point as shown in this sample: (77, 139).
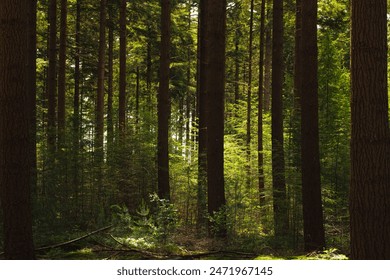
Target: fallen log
(62, 244)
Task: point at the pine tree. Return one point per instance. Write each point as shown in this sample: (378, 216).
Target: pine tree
(369, 202)
(17, 74)
(278, 168)
(163, 100)
(215, 88)
(313, 227)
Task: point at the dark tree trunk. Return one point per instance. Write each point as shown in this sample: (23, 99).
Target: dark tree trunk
(370, 139)
(137, 93)
(189, 95)
(236, 66)
(278, 169)
(295, 126)
(122, 68)
(296, 112)
(260, 109)
(61, 73)
(76, 108)
(202, 125)
(32, 85)
(237, 60)
(313, 226)
(164, 103)
(76, 96)
(51, 76)
(110, 78)
(99, 129)
(268, 59)
(181, 120)
(17, 75)
(149, 66)
(249, 100)
(215, 89)
(100, 83)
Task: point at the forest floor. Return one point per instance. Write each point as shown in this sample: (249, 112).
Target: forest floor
(102, 245)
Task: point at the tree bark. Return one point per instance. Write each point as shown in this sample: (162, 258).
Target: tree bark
(249, 100)
(122, 67)
(76, 109)
(202, 123)
(110, 76)
(99, 126)
(32, 85)
(17, 74)
(215, 89)
(164, 103)
(76, 96)
(137, 96)
(268, 58)
(370, 136)
(278, 168)
(101, 74)
(62, 73)
(51, 76)
(260, 107)
(236, 64)
(313, 227)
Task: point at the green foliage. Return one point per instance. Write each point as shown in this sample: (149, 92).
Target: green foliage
(219, 221)
(147, 228)
(165, 218)
(329, 254)
(334, 123)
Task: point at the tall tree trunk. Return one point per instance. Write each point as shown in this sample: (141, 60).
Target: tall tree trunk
(215, 89)
(278, 168)
(237, 36)
(99, 130)
(149, 66)
(76, 106)
(295, 126)
(76, 96)
(189, 95)
(202, 123)
(110, 76)
(137, 94)
(236, 70)
(32, 85)
(313, 226)
(17, 75)
(122, 67)
(51, 76)
(370, 139)
(180, 121)
(62, 73)
(164, 103)
(268, 58)
(249, 100)
(260, 110)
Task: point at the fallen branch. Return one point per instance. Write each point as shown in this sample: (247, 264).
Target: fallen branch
(73, 240)
(68, 242)
(129, 249)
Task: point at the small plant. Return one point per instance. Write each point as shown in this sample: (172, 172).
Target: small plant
(329, 254)
(165, 218)
(148, 227)
(121, 219)
(220, 222)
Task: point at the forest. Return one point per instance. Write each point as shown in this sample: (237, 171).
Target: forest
(194, 129)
